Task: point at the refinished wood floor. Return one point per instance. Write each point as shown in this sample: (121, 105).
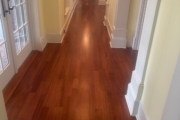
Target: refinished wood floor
(80, 79)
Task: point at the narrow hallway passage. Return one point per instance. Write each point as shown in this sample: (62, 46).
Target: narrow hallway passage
(80, 79)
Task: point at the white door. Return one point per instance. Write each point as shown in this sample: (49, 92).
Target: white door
(19, 31)
(6, 60)
(15, 44)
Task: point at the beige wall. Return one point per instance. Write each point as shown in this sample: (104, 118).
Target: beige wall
(112, 10)
(132, 19)
(61, 13)
(62, 7)
(51, 14)
(163, 58)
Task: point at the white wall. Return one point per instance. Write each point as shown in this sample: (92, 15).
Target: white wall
(3, 115)
(163, 58)
(136, 86)
(172, 107)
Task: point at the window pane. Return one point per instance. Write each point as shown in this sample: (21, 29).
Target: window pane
(14, 19)
(17, 2)
(24, 13)
(1, 31)
(1, 69)
(4, 56)
(26, 34)
(21, 36)
(17, 42)
(22, 1)
(0, 11)
(19, 16)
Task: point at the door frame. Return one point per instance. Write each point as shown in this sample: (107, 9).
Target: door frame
(34, 25)
(139, 26)
(136, 86)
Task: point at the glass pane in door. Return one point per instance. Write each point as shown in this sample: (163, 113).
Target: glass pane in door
(23, 7)
(4, 60)
(26, 34)
(1, 68)
(4, 55)
(19, 16)
(2, 39)
(17, 2)
(14, 20)
(20, 24)
(17, 42)
(22, 38)
(13, 15)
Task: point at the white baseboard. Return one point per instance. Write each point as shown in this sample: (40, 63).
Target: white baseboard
(49, 38)
(53, 38)
(135, 44)
(108, 25)
(134, 94)
(118, 43)
(129, 42)
(44, 42)
(132, 103)
(102, 2)
(110, 44)
(115, 42)
(142, 113)
(68, 19)
(58, 38)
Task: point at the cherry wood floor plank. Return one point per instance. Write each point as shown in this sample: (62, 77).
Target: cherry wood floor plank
(8, 91)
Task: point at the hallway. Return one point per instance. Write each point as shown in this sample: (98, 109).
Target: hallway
(80, 79)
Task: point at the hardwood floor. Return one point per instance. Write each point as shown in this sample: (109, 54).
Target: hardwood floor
(80, 79)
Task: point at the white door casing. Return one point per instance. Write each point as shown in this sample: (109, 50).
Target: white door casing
(140, 23)
(136, 86)
(37, 40)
